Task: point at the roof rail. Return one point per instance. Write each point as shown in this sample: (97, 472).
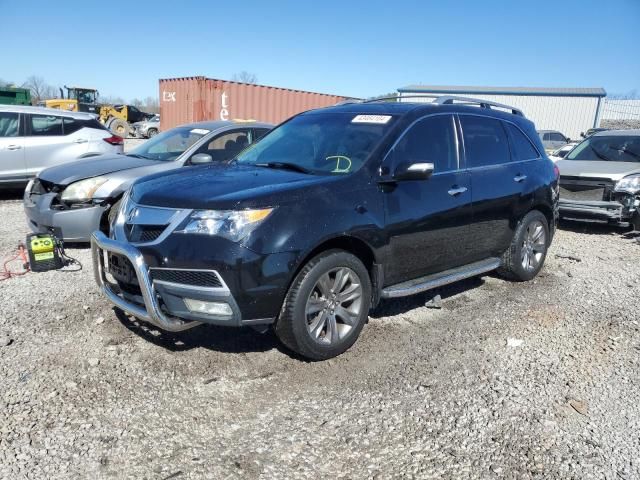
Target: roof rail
(450, 100)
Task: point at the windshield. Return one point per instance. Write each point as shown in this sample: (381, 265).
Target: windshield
(169, 145)
(614, 148)
(320, 143)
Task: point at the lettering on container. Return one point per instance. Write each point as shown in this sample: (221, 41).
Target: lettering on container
(224, 111)
(168, 96)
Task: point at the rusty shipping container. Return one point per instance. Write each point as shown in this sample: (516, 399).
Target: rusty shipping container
(193, 99)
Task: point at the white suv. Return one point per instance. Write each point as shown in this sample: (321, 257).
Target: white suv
(33, 138)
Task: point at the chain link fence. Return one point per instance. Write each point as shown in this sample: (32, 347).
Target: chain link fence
(620, 113)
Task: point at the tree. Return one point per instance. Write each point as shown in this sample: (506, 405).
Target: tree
(4, 83)
(245, 77)
(151, 105)
(40, 90)
(136, 102)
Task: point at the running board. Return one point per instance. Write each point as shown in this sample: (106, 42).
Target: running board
(435, 280)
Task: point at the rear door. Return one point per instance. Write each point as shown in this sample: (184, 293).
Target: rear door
(427, 220)
(12, 163)
(498, 183)
(47, 145)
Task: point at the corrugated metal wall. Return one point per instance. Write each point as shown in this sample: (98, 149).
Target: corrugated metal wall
(194, 99)
(569, 115)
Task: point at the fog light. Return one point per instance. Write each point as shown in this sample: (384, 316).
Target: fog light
(209, 308)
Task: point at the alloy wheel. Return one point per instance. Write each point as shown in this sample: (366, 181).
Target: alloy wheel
(534, 246)
(334, 306)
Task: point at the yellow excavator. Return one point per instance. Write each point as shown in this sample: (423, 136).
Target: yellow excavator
(117, 118)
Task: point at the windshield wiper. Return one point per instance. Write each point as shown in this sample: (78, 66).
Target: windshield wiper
(284, 166)
(136, 155)
(600, 155)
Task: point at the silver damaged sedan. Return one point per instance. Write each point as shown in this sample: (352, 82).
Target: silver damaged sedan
(75, 199)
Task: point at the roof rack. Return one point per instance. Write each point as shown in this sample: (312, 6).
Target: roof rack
(447, 100)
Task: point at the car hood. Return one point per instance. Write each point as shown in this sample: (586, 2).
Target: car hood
(92, 167)
(597, 169)
(229, 186)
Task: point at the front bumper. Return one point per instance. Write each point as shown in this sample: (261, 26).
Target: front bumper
(614, 212)
(161, 303)
(72, 225)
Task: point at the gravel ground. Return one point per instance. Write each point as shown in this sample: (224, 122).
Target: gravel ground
(529, 380)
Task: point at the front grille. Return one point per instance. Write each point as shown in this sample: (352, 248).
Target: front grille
(143, 233)
(196, 278)
(586, 189)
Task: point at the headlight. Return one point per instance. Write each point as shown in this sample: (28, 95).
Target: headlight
(82, 190)
(630, 184)
(231, 224)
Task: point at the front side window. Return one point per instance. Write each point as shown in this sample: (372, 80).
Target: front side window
(523, 149)
(557, 137)
(430, 140)
(613, 148)
(485, 141)
(320, 143)
(227, 145)
(9, 124)
(168, 146)
(46, 125)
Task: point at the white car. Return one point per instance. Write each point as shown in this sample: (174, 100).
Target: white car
(34, 138)
(560, 153)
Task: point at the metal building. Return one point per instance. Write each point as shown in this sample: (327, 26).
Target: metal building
(568, 110)
(193, 99)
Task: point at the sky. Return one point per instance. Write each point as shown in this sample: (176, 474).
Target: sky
(352, 48)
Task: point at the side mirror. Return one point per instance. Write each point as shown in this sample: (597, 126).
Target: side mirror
(568, 140)
(201, 159)
(562, 153)
(413, 171)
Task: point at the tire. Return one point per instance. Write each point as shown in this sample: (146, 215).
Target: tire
(152, 132)
(313, 322)
(119, 127)
(527, 248)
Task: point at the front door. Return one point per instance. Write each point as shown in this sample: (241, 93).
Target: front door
(427, 220)
(12, 163)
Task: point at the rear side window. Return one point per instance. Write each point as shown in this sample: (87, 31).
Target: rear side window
(258, 133)
(71, 125)
(431, 140)
(557, 137)
(485, 141)
(521, 145)
(547, 137)
(46, 125)
(9, 124)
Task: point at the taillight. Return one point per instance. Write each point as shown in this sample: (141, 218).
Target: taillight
(556, 170)
(114, 140)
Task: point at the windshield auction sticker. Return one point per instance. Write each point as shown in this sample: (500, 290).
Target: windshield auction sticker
(200, 131)
(382, 119)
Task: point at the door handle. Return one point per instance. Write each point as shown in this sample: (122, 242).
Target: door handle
(14, 147)
(456, 190)
(519, 178)
(81, 140)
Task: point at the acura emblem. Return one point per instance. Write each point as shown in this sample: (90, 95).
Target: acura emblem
(132, 214)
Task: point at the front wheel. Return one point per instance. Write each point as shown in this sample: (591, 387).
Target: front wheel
(152, 132)
(526, 255)
(326, 307)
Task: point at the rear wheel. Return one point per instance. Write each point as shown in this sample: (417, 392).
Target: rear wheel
(526, 255)
(119, 127)
(326, 307)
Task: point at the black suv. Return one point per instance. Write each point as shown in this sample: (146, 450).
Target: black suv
(335, 209)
